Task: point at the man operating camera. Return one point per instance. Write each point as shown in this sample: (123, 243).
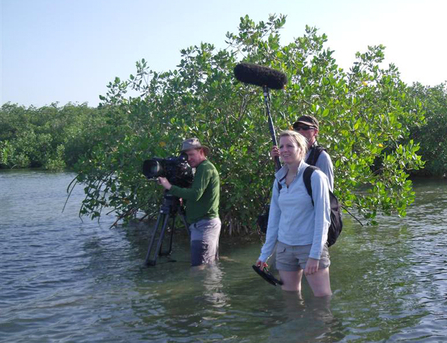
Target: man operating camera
(202, 203)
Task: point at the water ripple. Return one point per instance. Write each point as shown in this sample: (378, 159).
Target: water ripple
(66, 280)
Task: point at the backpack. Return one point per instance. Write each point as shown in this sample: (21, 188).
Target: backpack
(336, 221)
(315, 152)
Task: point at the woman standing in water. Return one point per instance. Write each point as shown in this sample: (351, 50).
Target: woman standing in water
(299, 226)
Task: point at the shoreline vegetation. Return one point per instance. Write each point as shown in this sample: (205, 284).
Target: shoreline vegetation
(379, 131)
(55, 137)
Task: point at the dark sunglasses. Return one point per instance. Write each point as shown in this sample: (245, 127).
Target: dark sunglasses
(301, 127)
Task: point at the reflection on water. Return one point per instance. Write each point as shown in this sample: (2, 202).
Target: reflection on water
(63, 279)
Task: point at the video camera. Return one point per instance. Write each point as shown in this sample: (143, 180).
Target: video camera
(176, 169)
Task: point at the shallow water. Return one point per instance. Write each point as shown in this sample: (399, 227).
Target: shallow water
(64, 280)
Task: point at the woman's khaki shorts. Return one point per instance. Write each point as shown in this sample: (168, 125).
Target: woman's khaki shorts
(292, 258)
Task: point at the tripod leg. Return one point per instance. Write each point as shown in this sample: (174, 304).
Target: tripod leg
(162, 218)
(186, 224)
(160, 240)
(172, 235)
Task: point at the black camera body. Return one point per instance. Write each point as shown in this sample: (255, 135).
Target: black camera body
(176, 169)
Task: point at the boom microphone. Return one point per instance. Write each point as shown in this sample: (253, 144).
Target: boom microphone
(260, 76)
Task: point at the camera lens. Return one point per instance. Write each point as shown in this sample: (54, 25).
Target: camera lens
(152, 168)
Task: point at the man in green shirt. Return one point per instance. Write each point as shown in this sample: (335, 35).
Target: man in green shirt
(202, 203)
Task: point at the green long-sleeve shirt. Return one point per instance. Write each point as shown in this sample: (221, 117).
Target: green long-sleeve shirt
(202, 199)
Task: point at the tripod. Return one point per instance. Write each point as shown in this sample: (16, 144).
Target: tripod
(168, 210)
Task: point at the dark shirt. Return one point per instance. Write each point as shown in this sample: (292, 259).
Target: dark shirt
(202, 199)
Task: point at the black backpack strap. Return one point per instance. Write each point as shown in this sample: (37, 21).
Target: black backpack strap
(279, 184)
(315, 152)
(306, 178)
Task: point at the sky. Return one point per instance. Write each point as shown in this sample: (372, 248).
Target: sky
(69, 50)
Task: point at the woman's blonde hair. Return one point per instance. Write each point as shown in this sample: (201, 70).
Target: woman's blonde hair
(299, 139)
